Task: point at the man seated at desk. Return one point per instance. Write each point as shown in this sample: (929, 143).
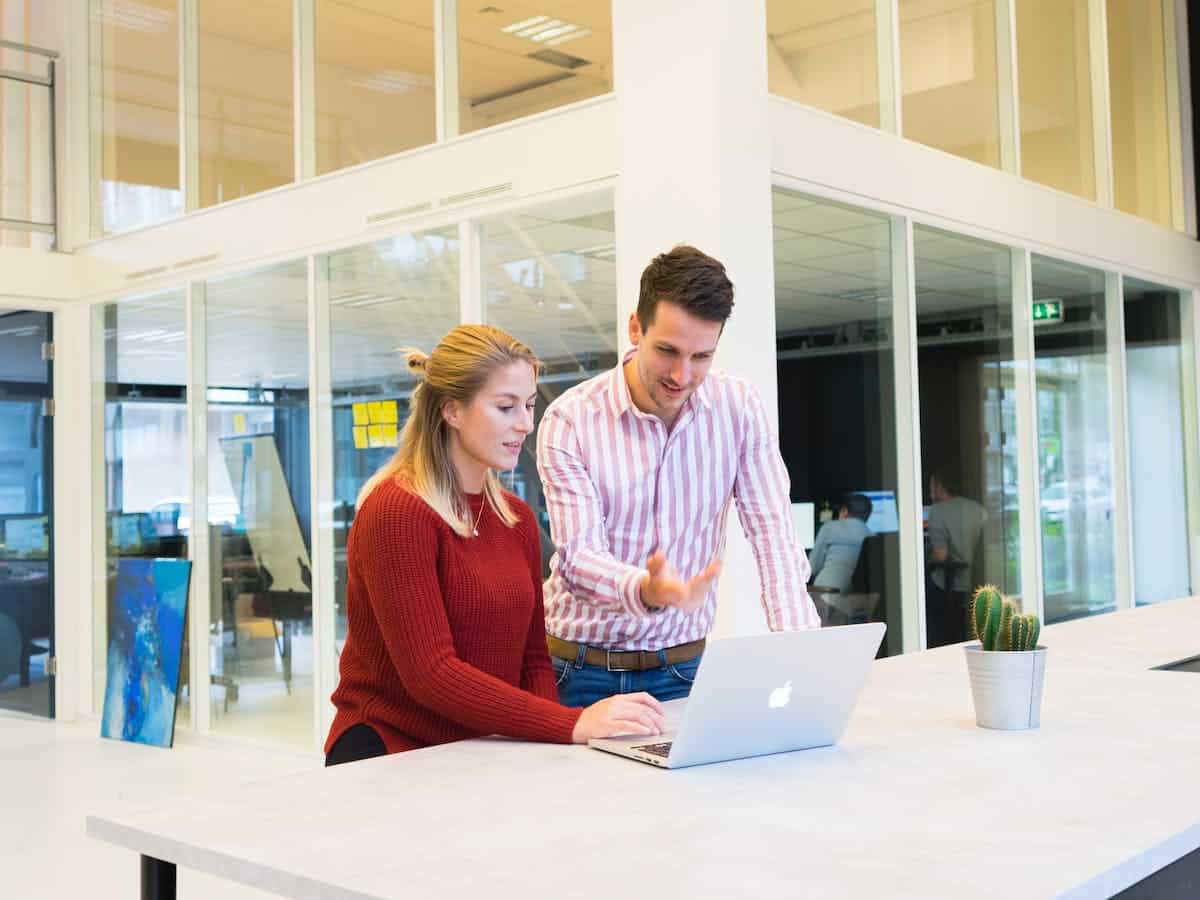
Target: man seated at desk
(835, 554)
(955, 526)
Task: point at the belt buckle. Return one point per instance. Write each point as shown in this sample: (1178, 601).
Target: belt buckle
(608, 653)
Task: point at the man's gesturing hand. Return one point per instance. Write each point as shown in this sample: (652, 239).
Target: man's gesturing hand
(662, 586)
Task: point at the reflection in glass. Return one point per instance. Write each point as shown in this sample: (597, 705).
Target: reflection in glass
(968, 426)
(1074, 443)
(549, 277)
(527, 58)
(146, 491)
(833, 314)
(245, 85)
(135, 104)
(398, 292)
(258, 505)
(1158, 488)
(1054, 79)
(1138, 70)
(824, 54)
(948, 75)
(374, 79)
(26, 514)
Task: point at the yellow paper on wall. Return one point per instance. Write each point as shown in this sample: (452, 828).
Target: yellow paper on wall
(239, 423)
(375, 435)
(388, 411)
(375, 412)
(360, 438)
(390, 435)
(360, 413)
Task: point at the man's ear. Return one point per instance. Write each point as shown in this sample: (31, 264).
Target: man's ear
(635, 329)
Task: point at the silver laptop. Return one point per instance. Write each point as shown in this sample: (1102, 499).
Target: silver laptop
(770, 693)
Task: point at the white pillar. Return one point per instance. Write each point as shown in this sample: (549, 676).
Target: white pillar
(693, 166)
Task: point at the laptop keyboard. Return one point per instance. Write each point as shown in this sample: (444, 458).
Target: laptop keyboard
(663, 750)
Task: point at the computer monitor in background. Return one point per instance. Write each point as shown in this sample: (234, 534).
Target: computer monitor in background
(27, 537)
(804, 522)
(129, 532)
(884, 519)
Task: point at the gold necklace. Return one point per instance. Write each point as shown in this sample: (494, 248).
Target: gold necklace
(478, 516)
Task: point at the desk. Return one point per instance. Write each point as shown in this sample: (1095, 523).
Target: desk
(915, 802)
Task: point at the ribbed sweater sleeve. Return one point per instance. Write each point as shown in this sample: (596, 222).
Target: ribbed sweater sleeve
(537, 675)
(398, 555)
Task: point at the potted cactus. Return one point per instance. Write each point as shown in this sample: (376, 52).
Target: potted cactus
(1007, 667)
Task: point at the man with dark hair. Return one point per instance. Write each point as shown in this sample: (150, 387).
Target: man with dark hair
(838, 545)
(955, 525)
(639, 467)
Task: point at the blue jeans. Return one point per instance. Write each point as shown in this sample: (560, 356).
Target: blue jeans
(580, 684)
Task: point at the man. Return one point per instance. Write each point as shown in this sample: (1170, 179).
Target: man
(839, 542)
(955, 526)
(639, 466)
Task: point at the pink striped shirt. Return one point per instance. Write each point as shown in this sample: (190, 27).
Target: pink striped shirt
(618, 486)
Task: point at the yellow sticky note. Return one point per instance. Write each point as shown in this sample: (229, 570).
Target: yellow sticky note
(360, 413)
(239, 423)
(390, 435)
(375, 411)
(388, 411)
(360, 438)
(375, 435)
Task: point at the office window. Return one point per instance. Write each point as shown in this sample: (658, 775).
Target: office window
(260, 607)
(1074, 441)
(135, 114)
(147, 506)
(1154, 374)
(968, 426)
(1054, 81)
(1138, 69)
(824, 53)
(527, 58)
(549, 279)
(245, 98)
(399, 292)
(374, 79)
(837, 431)
(948, 76)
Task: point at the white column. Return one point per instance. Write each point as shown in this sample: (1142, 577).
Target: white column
(199, 601)
(1114, 315)
(1101, 111)
(445, 65)
(908, 441)
(1182, 76)
(1028, 468)
(470, 273)
(1189, 347)
(887, 49)
(1179, 150)
(1009, 85)
(693, 163)
(96, 617)
(304, 88)
(189, 104)
(320, 436)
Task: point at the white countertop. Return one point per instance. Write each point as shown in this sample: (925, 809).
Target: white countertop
(916, 801)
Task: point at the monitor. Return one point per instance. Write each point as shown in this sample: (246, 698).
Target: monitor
(804, 517)
(127, 532)
(27, 537)
(884, 518)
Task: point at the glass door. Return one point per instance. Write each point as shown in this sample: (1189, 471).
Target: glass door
(26, 513)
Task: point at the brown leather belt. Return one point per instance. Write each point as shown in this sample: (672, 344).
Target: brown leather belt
(624, 660)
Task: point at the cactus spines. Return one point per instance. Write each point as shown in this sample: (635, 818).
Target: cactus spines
(986, 612)
(999, 624)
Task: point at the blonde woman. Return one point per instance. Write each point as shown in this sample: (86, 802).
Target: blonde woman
(444, 594)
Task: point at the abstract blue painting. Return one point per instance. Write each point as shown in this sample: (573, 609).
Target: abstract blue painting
(144, 647)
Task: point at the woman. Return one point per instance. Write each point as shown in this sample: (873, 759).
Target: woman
(444, 594)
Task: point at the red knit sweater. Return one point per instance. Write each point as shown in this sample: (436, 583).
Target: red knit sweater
(446, 634)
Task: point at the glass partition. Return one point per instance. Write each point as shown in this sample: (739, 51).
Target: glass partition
(135, 113)
(374, 79)
(949, 78)
(1074, 441)
(825, 53)
(549, 279)
(245, 79)
(396, 293)
(527, 58)
(147, 507)
(260, 574)
(837, 432)
(1055, 83)
(968, 426)
(1157, 451)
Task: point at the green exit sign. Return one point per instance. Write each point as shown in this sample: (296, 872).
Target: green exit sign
(1045, 311)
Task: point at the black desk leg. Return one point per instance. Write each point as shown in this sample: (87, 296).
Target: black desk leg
(158, 879)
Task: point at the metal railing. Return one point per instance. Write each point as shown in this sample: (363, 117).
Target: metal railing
(30, 142)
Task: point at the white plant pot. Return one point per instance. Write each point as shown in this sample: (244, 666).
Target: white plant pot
(1007, 686)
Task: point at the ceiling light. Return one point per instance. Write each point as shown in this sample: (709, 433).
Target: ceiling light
(392, 81)
(524, 23)
(545, 30)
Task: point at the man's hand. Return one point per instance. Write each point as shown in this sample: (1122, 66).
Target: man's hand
(662, 586)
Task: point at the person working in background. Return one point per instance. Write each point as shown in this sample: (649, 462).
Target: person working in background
(835, 553)
(955, 526)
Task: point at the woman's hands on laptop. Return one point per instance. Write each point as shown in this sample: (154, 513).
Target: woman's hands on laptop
(662, 586)
(636, 713)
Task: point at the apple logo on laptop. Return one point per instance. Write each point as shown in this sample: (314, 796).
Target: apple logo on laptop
(780, 697)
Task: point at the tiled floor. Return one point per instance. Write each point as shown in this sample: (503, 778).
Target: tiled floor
(52, 775)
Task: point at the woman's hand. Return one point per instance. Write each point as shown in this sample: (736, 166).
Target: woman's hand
(620, 714)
